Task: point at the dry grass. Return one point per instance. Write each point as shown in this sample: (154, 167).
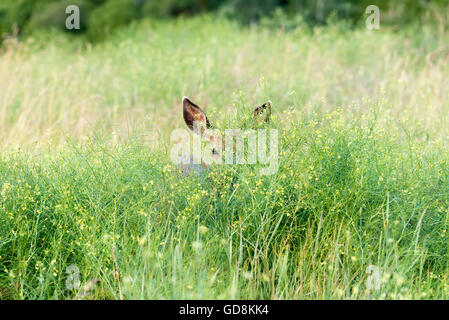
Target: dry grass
(137, 78)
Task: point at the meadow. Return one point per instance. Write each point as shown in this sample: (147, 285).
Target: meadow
(359, 208)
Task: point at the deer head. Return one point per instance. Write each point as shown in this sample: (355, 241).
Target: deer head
(197, 121)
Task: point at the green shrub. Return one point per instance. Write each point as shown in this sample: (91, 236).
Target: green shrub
(15, 13)
(30, 15)
(53, 15)
(175, 7)
(111, 15)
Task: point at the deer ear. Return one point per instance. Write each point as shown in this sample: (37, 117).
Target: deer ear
(263, 113)
(194, 116)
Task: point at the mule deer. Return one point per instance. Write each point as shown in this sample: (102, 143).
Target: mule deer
(197, 121)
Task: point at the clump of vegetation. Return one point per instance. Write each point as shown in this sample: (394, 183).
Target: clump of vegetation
(101, 17)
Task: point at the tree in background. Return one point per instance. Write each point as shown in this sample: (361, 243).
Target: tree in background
(99, 17)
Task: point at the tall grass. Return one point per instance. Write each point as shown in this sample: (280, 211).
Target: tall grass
(86, 181)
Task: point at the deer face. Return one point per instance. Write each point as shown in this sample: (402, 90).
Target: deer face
(197, 121)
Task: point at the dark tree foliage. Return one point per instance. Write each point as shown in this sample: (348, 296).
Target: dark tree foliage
(99, 17)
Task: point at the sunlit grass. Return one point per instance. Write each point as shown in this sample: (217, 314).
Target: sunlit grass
(86, 180)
